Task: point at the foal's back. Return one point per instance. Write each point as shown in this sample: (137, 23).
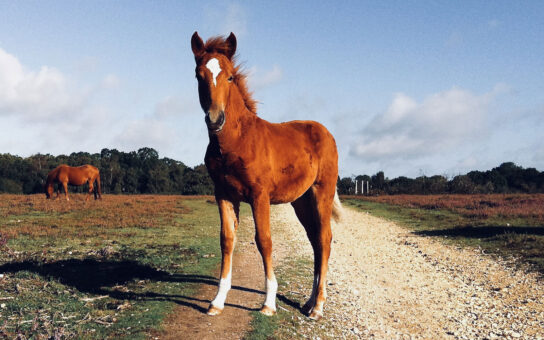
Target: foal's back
(299, 154)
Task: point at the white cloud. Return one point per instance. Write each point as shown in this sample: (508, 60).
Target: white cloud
(148, 132)
(259, 79)
(45, 110)
(111, 81)
(441, 122)
(176, 105)
(175, 128)
(41, 94)
(235, 20)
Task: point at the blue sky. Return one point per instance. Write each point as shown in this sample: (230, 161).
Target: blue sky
(406, 87)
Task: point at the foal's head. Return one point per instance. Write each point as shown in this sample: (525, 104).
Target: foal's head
(215, 72)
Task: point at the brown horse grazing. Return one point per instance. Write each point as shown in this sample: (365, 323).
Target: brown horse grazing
(261, 163)
(80, 175)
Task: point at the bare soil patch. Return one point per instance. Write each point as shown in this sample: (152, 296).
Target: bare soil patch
(384, 282)
(189, 319)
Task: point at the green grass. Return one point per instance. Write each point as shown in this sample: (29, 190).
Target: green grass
(97, 280)
(115, 269)
(516, 237)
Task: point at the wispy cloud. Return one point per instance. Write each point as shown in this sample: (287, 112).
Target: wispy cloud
(111, 81)
(149, 132)
(455, 39)
(259, 79)
(175, 120)
(176, 105)
(494, 23)
(442, 121)
(225, 18)
(235, 19)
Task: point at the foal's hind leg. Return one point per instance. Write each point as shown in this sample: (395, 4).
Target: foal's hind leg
(95, 190)
(314, 210)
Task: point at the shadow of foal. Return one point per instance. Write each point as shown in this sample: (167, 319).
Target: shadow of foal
(97, 277)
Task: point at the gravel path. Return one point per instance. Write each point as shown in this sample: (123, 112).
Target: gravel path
(386, 283)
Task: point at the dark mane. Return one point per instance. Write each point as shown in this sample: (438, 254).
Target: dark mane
(219, 45)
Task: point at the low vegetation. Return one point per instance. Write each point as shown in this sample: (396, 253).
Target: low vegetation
(506, 178)
(104, 269)
(135, 172)
(511, 225)
(115, 268)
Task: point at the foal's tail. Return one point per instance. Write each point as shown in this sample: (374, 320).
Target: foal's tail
(337, 209)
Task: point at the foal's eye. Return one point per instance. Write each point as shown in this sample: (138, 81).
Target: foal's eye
(230, 79)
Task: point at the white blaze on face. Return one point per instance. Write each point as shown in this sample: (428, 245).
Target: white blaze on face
(215, 69)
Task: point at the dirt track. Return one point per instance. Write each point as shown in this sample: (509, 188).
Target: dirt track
(385, 282)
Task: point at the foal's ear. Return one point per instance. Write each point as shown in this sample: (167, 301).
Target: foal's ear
(231, 43)
(197, 45)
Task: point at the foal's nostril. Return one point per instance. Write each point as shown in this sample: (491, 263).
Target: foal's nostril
(221, 118)
(215, 122)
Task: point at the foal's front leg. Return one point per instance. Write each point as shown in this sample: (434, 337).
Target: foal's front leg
(65, 186)
(228, 212)
(91, 187)
(261, 215)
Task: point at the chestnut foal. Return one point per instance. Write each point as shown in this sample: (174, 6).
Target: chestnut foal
(262, 163)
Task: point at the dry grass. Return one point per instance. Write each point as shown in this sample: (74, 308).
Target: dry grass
(481, 206)
(31, 215)
(101, 269)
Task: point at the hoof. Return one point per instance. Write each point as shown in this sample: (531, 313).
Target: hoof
(212, 310)
(268, 311)
(307, 308)
(315, 315)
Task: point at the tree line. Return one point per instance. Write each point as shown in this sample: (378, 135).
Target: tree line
(143, 172)
(135, 172)
(506, 178)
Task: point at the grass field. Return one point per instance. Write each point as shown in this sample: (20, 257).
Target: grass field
(115, 268)
(505, 225)
(102, 269)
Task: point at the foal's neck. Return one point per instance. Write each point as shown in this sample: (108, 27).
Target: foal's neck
(239, 119)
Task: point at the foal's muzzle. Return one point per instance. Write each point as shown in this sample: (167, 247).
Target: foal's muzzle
(215, 125)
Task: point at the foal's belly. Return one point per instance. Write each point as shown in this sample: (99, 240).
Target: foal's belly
(284, 180)
(77, 180)
(289, 191)
(280, 192)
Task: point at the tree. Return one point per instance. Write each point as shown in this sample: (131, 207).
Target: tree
(462, 184)
(143, 171)
(345, 186)
(437, 184)
(197, 181)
